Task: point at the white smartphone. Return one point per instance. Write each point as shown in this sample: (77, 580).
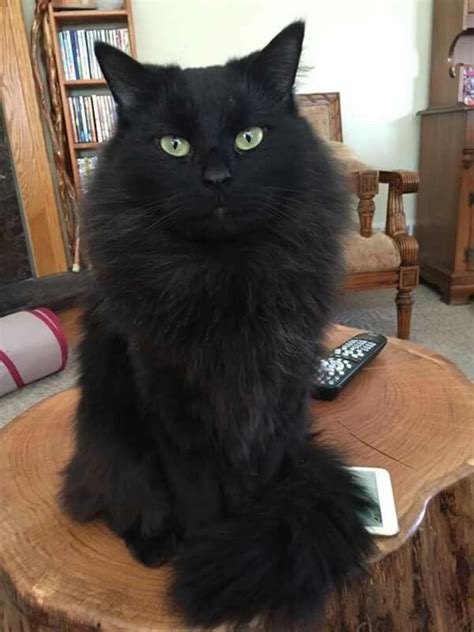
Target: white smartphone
(383, 519)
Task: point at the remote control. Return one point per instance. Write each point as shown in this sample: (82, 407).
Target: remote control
(340, 366)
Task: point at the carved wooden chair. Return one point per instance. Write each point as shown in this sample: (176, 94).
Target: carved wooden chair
(374, 259)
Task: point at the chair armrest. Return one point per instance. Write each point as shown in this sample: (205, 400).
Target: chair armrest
(399, 183)
(366, 186)
(405, 181)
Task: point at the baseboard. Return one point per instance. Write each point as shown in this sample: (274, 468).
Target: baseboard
(56, 291)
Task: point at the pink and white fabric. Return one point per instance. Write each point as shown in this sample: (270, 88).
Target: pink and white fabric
(32, 345)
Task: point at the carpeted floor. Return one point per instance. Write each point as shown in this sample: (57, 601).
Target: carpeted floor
(449, 330)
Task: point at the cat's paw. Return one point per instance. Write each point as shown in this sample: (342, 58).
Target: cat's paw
(153, 550)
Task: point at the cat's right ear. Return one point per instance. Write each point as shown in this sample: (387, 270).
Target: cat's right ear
(126, 77)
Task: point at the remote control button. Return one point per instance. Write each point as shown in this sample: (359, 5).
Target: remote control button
(332, 372)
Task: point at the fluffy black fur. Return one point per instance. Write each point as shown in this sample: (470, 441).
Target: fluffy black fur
(214, 274)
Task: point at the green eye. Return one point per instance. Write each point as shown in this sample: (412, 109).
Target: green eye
(175, 146)
(249, 138)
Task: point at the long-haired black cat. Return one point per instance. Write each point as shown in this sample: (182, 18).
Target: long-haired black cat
(212, 226)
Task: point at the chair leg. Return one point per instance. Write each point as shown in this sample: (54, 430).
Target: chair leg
(404, 301)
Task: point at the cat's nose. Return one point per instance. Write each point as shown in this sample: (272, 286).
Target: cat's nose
(218, 177)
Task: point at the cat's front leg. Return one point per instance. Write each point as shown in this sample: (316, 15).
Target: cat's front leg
(153, 538)
(125, 490)
(115, 472)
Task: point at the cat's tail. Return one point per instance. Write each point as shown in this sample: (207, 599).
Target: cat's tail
(278, 559)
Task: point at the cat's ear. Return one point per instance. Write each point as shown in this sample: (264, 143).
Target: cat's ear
(278, 62)
(127, 78)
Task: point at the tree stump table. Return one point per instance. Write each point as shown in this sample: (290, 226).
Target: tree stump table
(409, 411)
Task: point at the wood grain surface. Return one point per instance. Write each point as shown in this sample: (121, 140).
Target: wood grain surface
(409, 411)
(25, 132)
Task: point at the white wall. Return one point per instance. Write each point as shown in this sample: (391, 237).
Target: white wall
(374, 52)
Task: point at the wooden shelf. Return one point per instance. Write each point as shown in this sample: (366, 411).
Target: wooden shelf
(86, 145)
(445, 110)
(90, 16)
(85, 83)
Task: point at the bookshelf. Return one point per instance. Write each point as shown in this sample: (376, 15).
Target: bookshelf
(83, 20)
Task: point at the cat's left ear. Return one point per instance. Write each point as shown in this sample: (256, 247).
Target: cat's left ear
(277, 64)
(128, 79)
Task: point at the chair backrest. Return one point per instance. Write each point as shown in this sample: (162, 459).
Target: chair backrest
(323, 112)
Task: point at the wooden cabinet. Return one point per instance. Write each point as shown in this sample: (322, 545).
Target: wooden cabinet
(445, 216)
(445, 210)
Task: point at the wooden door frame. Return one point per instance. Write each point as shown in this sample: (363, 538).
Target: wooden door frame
(27, 143)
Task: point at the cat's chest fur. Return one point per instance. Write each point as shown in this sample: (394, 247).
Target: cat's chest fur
(245, 317)
(225, 346)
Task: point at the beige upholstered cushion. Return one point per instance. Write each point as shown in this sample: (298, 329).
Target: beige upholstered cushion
(320, 113)
(344, 155)
(370, 254)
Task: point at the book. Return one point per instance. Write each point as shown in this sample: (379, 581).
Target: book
(100, 117)
(90, 119)
(107, 118)
(468, 85)
(98, 122)
(113, 113)
(81, 35)
(82, 120)
(68, 53)
(77, 50)
(93, 116)
(77, 121)
(85, 120)
(86, 166)
(73, 118)
(75, 54)
(62, 48)
(91, 36)
(126, 41)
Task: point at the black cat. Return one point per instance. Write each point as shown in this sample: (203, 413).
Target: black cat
(212, 227)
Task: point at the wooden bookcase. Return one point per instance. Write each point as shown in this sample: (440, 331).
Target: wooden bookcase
(82, 19)
(445, 209)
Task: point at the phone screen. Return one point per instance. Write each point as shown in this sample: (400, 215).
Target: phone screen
(372, 518)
